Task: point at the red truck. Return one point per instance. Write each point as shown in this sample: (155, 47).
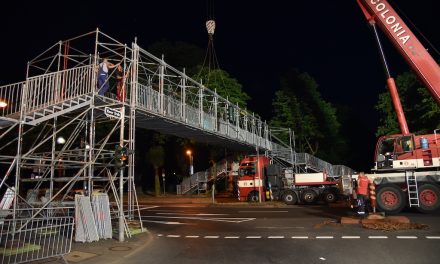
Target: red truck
(259, 179)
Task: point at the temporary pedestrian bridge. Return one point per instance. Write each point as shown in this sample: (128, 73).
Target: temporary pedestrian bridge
(59, 98)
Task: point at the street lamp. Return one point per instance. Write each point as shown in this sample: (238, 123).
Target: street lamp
(3, 103)
(191, 168)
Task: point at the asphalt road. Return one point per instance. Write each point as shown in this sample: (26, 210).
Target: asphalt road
(300, 234)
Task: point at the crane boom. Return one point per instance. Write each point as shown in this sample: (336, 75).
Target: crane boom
(381, 13)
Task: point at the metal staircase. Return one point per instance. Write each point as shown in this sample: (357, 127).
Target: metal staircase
(413, 190)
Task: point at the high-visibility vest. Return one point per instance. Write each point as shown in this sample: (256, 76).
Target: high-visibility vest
(362, 185)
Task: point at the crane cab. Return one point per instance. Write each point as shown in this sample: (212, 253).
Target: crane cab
(406, 152)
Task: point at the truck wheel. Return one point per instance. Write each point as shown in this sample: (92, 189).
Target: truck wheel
(253, 197)
(289, 197)
(329, 196)
(309, 196)
(390, 199)
(429, 198)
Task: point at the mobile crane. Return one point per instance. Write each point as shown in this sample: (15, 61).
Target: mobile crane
(407, 166)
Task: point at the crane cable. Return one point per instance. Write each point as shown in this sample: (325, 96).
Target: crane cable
(210, 59)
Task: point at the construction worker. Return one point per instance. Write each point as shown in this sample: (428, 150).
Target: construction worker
(103, 69)
(362, 192)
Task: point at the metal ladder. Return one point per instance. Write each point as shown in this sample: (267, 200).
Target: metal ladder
(413, 192)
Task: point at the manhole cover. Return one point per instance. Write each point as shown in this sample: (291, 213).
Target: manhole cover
(78, 256)
(120, 248)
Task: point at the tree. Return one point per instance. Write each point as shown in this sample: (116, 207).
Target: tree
(421, 110)
(156, 156)
(226, 86)
(299, 105)
(178, 54)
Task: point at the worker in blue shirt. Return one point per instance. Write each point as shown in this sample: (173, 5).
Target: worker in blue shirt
(103, 69)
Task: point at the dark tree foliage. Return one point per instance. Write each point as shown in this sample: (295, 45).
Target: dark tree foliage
(178, 54)
(225, 85)
(421, 110)
(299, 105)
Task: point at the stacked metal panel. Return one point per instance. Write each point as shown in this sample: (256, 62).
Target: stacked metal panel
(101, 212)
(85, 223)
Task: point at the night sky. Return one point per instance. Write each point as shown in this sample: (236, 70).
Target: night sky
(255, 41)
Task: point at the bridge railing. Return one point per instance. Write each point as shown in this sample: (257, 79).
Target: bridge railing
(10, 95)
(53, 88)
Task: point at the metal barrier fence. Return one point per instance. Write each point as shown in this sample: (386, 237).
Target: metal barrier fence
(28, 239)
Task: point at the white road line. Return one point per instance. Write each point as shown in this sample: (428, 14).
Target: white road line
(377, 237)
(432, 237)
(275, 237)
(300, 237)
(146, 208)
(167, 222)
(186, 214)
(173, 235)
(253, 237)
(218, 219)
(350, 237)
(324, 237)
(211, 236)
(159, 235)
(191, 236)
(232, 237)
(406, 237)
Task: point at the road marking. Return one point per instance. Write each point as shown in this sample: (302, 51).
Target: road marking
(300, 237)
(324, 237)
(275, 237)
(406, 237)
(377, 237)
(167, 222)
(263, 211)
(189, 214)
(351, 237)
(232, 237)
(211, 236)
(253, 237)
(146, 208)
(173, 235)
(219, 219)
(432, 237)
(191, 236)
(159, 235)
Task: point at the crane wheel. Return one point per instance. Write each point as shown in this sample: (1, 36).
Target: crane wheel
(309, 196)
(390, 198)
(329, 196)
(289, 197)
(252, 197)
(429, 198)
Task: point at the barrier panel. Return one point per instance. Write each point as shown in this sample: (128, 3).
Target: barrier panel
(29, 239)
